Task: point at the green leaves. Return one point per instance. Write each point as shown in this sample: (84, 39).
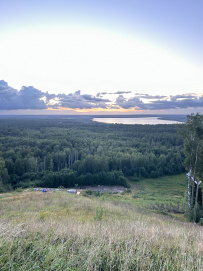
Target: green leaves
(192, 134)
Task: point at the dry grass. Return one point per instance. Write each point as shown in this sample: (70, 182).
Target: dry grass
(59, 231)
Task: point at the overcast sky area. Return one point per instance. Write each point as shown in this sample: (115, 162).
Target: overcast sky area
(101, 57)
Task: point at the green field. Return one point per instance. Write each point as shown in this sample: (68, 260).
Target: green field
(165, 195)
(60, 231)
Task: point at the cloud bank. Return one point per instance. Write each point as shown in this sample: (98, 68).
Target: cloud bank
(32, 98)
(160, 102)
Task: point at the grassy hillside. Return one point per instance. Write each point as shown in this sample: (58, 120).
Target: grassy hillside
(60, 231)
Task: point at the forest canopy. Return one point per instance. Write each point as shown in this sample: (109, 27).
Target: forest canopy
(53, 152)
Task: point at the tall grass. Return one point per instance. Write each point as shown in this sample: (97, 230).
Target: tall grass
(59, 231)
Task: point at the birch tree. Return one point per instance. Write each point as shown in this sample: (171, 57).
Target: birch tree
(192, 134)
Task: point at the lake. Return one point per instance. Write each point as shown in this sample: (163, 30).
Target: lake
(143, 120)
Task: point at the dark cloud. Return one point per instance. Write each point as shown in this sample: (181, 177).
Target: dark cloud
(76, 100)
(130, 103)
(26, 98)
(147, 96)
(30, 98)
(100, 94)
(176, 103)
(94, 99)
(3, 83)
(122, 92)
(184, 96)
(160, 102)
(49, 96)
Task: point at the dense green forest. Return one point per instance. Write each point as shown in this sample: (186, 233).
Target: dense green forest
(53, 152)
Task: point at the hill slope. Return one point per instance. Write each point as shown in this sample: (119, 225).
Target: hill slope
(59, 231)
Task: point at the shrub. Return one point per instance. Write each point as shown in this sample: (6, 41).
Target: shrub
(19, 189)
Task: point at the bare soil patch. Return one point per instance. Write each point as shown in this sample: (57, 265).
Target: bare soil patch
(105, 188)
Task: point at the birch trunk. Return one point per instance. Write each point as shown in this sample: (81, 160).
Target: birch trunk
(194, 175)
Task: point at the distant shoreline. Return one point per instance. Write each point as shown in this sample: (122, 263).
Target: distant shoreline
(176, 118)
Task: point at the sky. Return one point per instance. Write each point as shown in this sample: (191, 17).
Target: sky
(101, 57)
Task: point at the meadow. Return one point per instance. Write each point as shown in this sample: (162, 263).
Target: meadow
(165, 195)
(60, 231)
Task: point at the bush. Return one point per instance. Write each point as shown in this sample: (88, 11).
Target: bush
(19, 189)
